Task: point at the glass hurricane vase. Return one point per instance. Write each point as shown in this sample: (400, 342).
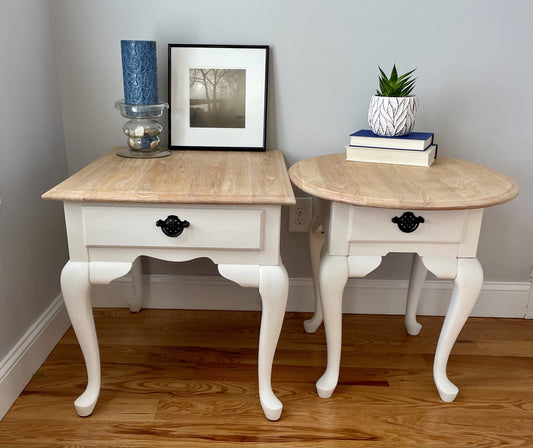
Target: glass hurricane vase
(142, 129)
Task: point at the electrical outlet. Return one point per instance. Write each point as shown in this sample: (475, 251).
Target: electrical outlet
(300, 215)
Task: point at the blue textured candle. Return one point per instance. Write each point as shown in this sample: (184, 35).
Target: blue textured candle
(139, 70)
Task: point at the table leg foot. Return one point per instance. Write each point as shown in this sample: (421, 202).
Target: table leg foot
(326, 385)
(75, 287)
(313, 324)
(86, 402)
(272, 407)
(447, 390)
(467, 286)
(413, 327)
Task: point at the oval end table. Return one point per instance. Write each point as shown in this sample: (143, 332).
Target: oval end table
(366, 210)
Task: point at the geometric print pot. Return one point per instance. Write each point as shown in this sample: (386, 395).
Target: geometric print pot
(392, 116)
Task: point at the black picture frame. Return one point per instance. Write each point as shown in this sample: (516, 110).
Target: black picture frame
(217, 96)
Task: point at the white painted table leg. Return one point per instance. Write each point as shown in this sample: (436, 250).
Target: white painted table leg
(274, 289)
(76, 293)
(416, 282)
(316, 241)
(333, 275)
(467, 286)
(136, 302)
(273, 284)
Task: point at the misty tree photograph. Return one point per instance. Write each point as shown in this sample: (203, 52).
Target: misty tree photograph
(217, 98)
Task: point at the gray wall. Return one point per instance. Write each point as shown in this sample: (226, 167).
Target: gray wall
(32, 160)
(473, 60)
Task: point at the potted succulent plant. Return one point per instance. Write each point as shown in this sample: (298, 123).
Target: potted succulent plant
(393, 109)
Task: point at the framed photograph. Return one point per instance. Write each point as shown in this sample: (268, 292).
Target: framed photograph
(217, 96)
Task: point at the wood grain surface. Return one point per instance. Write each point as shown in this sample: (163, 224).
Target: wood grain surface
(447, 184)
(174, 378)
(185, 177)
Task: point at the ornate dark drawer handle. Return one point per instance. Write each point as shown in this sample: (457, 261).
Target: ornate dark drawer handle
(172, 226)
(408, 222)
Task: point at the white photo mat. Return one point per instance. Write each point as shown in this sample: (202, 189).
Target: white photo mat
(183, 58)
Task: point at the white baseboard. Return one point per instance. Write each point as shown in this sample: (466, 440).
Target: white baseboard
(361, 296)
(25, 358)
(529, 311)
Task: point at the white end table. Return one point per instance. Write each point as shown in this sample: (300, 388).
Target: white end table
(224, 205)
(368, 210)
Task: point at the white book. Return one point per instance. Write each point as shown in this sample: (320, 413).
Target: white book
(393, 156)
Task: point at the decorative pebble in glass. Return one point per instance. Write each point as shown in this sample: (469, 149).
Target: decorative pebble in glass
(142, 129)
(139, 71)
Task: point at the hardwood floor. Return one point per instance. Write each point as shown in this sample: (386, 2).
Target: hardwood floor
(173, 378)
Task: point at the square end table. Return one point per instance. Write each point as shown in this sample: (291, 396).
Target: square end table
(223, 205)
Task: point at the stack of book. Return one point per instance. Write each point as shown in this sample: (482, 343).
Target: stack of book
(416, 148)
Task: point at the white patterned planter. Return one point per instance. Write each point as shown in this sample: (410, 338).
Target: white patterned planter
(392, 116)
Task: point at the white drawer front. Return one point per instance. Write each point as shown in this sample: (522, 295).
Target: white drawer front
(210, 227)
(376, 225)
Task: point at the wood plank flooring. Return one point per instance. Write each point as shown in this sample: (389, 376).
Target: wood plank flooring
(174, 378)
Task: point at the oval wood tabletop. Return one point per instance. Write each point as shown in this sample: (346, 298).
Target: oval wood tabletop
(445, 185)
(185, 177)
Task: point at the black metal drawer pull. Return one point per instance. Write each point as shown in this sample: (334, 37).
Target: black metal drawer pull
(172, 226)
(408, 222)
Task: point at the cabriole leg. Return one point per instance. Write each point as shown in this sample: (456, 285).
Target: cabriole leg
(316, 241)
(416, 282)
(76, 293)
(467, 286)
(273, 284)
(333, 275)
(274, 288)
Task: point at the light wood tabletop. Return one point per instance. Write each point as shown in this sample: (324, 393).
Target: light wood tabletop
(185, 177)
(446, 185)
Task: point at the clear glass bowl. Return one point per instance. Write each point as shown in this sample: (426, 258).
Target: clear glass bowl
(141, 110)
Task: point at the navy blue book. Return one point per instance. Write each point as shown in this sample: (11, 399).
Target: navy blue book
(417, 141)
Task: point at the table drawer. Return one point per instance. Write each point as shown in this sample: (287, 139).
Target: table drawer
(383, 225)
(213, 227)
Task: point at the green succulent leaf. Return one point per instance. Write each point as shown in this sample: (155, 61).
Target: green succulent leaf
(394, 74)
(395, 85)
